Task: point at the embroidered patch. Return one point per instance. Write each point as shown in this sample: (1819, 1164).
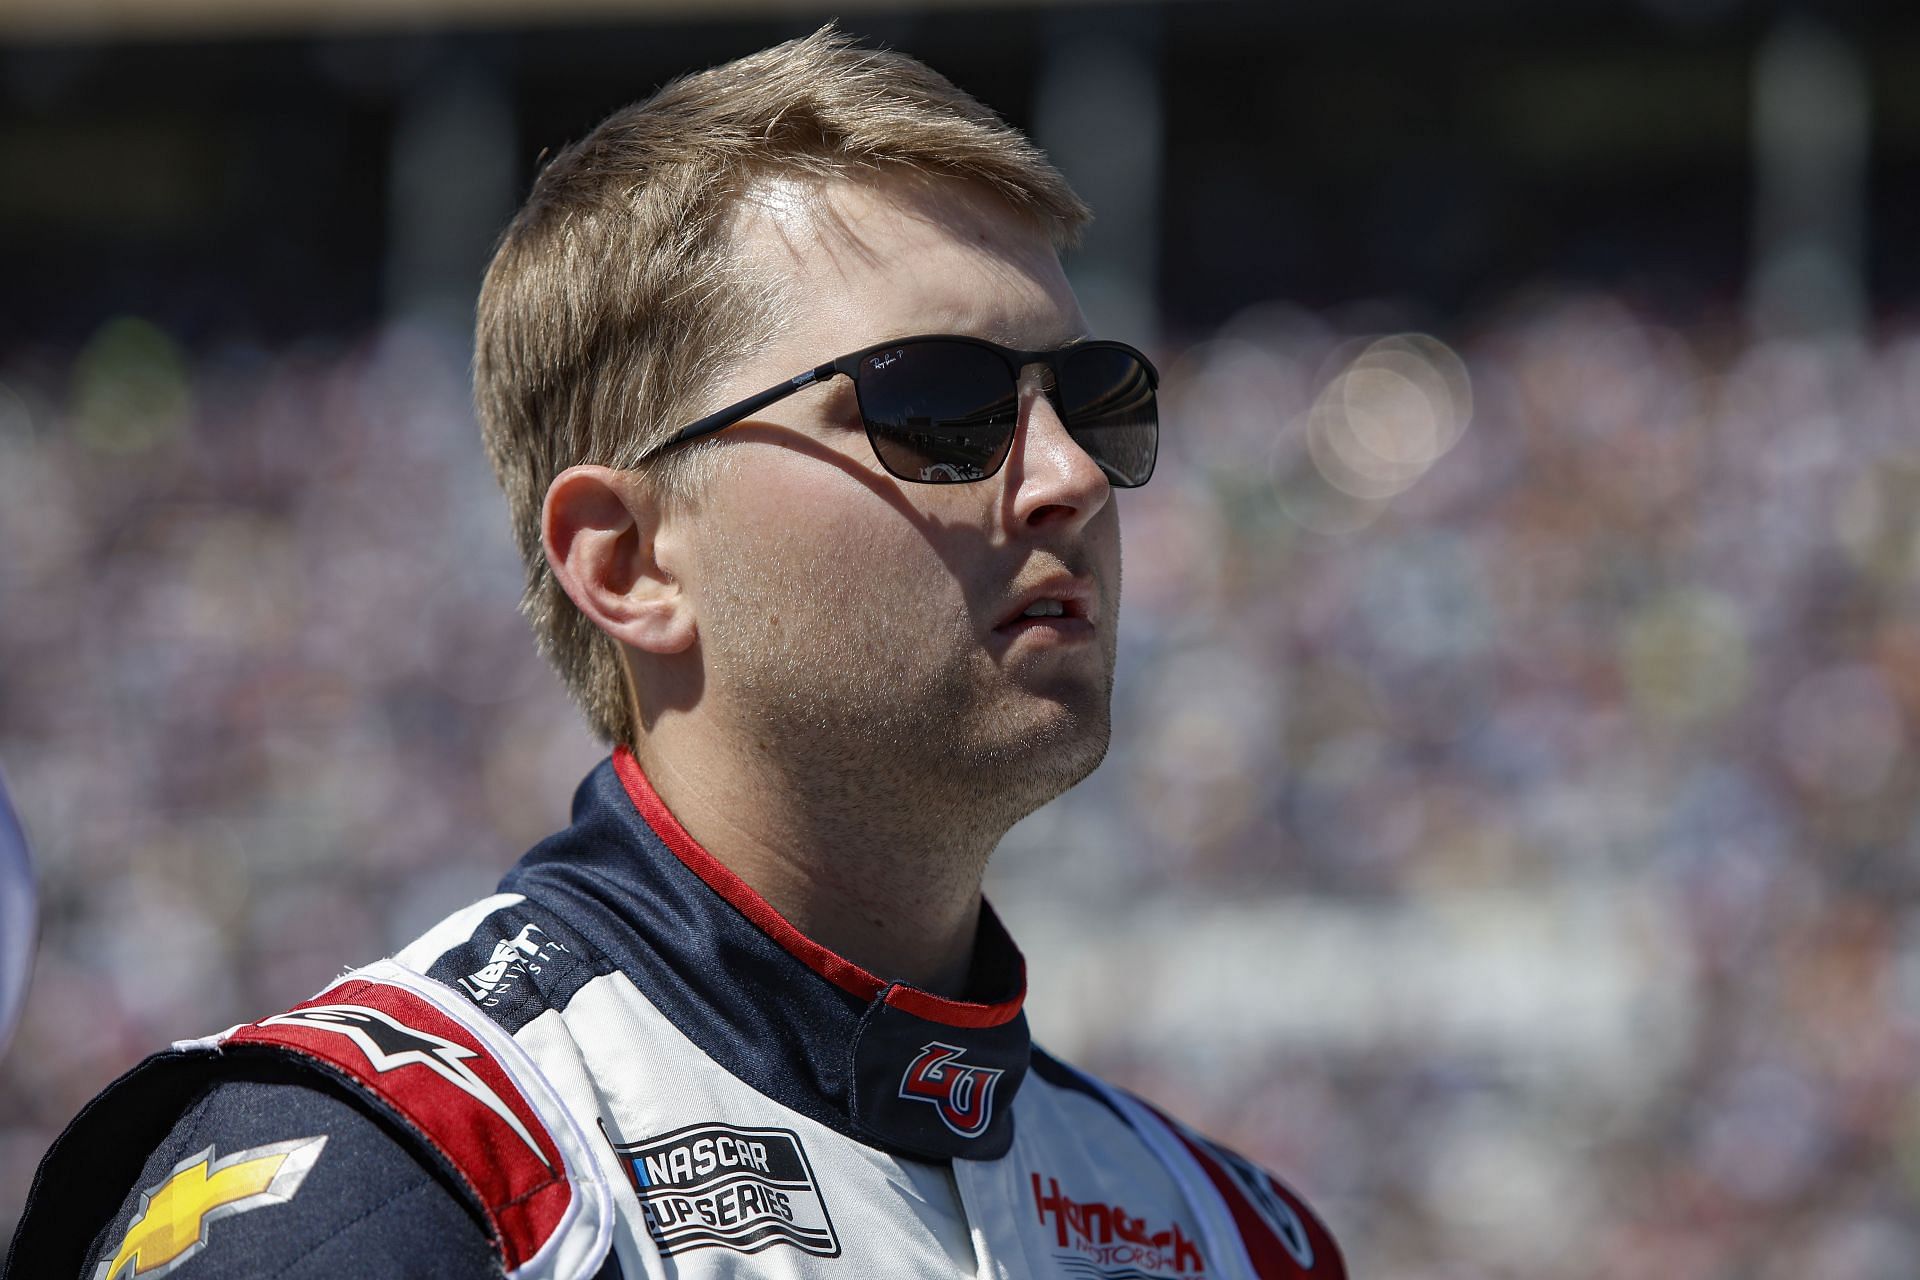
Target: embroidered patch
(174, 1216)
(716, 1185)
(961, 1091)
(528, 951)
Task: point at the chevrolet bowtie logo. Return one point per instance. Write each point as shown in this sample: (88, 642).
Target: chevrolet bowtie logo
(171, 1225)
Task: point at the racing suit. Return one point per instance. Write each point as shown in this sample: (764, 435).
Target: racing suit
(627, 1064)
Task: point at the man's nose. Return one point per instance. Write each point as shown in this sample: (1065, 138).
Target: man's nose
(1052, 481)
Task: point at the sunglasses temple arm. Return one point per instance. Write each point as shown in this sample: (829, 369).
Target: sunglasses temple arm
(751, 405)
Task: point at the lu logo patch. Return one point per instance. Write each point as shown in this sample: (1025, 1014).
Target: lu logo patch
(171, 1224)
(962, 1091)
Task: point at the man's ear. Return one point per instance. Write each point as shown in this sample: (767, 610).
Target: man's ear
(601, 530)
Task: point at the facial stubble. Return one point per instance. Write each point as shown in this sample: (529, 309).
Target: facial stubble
(900, 715)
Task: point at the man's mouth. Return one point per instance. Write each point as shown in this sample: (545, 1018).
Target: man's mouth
(1061, 603)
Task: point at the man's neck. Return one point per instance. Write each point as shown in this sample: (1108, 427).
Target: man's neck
(895, 888)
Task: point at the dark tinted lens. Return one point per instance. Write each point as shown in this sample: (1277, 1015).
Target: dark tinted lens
(1107, 398)
(938, 412)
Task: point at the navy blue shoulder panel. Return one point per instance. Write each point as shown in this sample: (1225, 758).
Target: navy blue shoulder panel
(285, 1173)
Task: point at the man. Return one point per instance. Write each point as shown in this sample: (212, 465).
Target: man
(812, 460)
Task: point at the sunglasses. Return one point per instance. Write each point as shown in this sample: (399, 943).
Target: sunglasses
(942, 409)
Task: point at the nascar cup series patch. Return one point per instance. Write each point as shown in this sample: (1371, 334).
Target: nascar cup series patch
(176, 1215)
(718, 1185)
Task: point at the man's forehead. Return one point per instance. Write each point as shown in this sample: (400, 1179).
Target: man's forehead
(819, 226)
(879, 255)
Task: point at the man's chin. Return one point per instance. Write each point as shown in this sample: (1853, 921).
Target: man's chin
(1050, 754)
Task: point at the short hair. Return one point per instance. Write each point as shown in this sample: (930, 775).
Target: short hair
(615, 297)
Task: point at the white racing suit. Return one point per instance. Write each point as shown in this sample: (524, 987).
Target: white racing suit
(626, 1064)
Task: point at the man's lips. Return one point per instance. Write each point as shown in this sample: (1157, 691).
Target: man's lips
(1075, 599)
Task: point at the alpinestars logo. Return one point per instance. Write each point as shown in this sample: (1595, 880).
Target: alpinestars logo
(962, 1092)
(390, 1044)
(716, 1184)
(525, 952)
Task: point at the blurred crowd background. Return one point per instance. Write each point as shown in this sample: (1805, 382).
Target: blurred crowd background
(1512, 832)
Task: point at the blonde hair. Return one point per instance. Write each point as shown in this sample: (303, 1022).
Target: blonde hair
(615, 296)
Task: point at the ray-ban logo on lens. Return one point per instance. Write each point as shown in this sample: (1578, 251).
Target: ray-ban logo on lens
(962, 1092)
(715, 1184)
